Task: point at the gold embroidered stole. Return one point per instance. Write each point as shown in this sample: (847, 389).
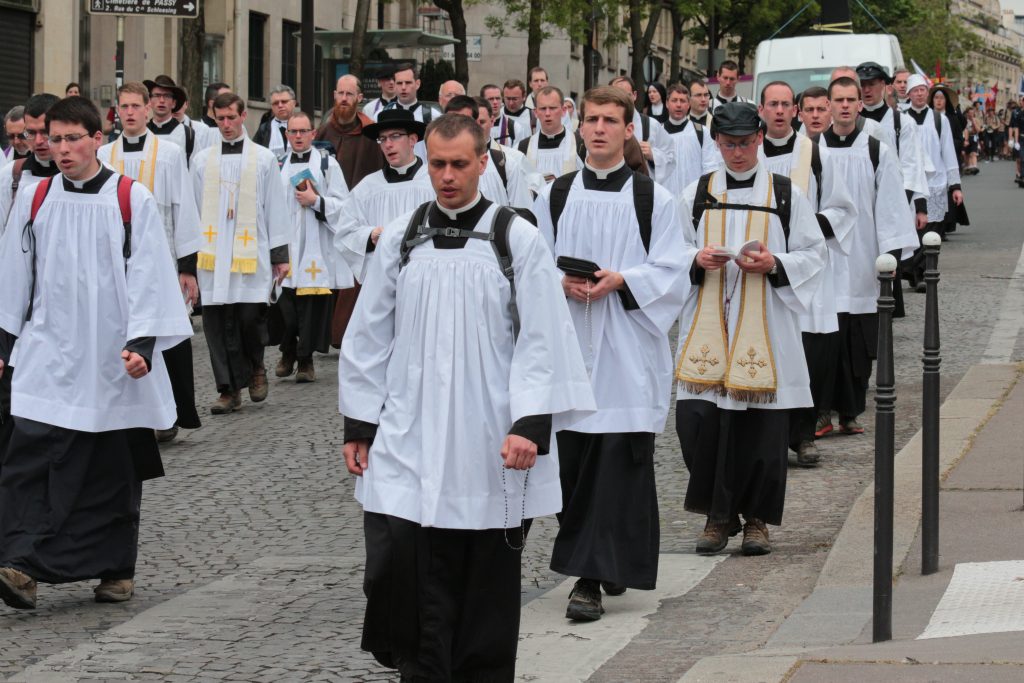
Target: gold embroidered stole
(242, 207)
(147, 167)
(800, 170)
(744, 370)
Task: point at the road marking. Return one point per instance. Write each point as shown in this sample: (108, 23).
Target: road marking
(552, 648)
(982, 597)
(1011, 318)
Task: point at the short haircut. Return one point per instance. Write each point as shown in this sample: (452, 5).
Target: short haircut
(299, 114)
(227, 99)
(460, 102)
(549, 90)
(608, 94)
(75, 109)
(698, 82)
(134, 88)
(845, 82)
(730, 65)
(623, 79)
(678, 88)
(489, 86)
(213, 89)
(278, 89)
(538, 69)
(407, 66)
(481, 103)
(38, 105)
(15, 114)
(782, 83)
(813, 91)
(440, 88)
(71, 85)
(451, 126)
(514, 83)
(897, 72)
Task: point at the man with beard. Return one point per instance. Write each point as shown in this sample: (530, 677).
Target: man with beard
(358, 157)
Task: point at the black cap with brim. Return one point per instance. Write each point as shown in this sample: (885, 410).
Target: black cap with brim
(167, 83)
(736, 118)
(391, 119)
(386, 71)
(869, 71)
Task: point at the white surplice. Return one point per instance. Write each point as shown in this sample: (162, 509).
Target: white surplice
(662, 150)
(550, 161)
(172, 189)
(691, 158)
(884, 221)
(802, 257)
(6, 181)
(946, 167)
(914, 164)
(626, 351)
(322, 219)
(273, 225)
(373, 203)
(429, 357)
(87, 306)
(518, 172)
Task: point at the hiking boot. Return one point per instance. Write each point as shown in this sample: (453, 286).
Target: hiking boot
(227, 402)
(921, 287)
(755, 538)
(305, 373)
(585, 601)
(849, 425)
(716, 536)
(612, 589)
(165, 435)
(824, 425)
(285, 366)
(114, 590)
(258, 385)
(17, 589)
(807, 454)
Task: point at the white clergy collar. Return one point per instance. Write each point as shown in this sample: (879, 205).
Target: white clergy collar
(874, 107)
(402, 170)
(43, 162)
(240, 138)
(779, 142)
(133, 140)
(158, 124)
(79, 184)
(454, 213)
(918, 110)
(603, 173)
(742, 175)
(553, 135)
(676, 122)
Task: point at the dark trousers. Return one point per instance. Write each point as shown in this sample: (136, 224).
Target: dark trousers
(236, 335)
(178, 360)
(301, 324)
(858, 347)
(343, 308)
(822, 354)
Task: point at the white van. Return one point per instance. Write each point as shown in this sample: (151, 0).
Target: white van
(807, 61)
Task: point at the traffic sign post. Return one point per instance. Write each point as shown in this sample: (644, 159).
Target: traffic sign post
(169, 9)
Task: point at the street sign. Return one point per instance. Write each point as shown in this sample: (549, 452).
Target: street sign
(474, 50)
(183, 9)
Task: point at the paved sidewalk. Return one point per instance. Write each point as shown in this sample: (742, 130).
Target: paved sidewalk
(966, 622)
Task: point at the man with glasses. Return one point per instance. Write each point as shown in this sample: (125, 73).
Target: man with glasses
(381, 197)
(358, 156)
(315, 190)
(737, 377)
(91, 385)
(160, 166)
(166, 98)
(553, 151)
(505, 130)
(38, 164)
(272, 133)
(14, 126)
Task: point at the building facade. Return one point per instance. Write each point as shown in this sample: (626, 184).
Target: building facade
(996, 63)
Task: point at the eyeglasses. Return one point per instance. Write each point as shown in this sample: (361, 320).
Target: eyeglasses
(393, 137)
(161, 96)
(300, 131)
(72, 138)
(32, 134)
(731, 146)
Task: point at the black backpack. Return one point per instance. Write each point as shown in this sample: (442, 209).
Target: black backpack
(498, 157)
(782, 188)
(417, 232)
(643, 203)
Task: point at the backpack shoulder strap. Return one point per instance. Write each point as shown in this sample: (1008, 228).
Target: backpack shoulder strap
(412, 237)
(503, 218)
(559, 195)
(190, 142)
(324, 163)
(816, 167)
(523, 146)
(897, 126)
(42, 189)
(124, 202)
(700, 199)
(428, 114)
(498, 157)
(699, 132)
(645, 127)
(16, 171)
(581, 147)
(938, 123)
(782, 187)
(874, 151)
(643, 204)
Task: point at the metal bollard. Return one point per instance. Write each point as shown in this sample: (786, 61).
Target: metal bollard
(885, 443)
(930, 409)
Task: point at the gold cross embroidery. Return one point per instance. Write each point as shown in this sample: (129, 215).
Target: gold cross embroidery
(752, 365)
(703, 361)
(210, 234)
(313, 270)
(245, 238)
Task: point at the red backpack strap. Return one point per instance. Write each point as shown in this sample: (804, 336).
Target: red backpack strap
(124, 198)
(42, 189)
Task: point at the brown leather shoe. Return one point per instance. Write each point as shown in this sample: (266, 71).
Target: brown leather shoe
(258, 385)
(165, 435)
(755, 538)
(227, 402)
(285, 366)
(306, 372)
(17, 589)
(114, 590)
(716, 536)
(807, 454)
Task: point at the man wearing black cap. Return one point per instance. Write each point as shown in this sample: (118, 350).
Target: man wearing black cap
(388, 92)
(381, 197)
(757, 258)
(166, 98)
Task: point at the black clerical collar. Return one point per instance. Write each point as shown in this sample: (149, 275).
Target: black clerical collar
(672, 128)
(18, 155)
(514, 114)
(613, 180)
(727, 100)
(164, 128)
(38, 168)
(92, 185)
(702, 120)
(833, 139)
(465, 218)
(545, 141)
(876, 114)
(918, 116)
(740, 180)
(402, 173)
(297, 157)
(127, 145)
(212, 123)
(232, 146)
(407, 107)
(777, 149)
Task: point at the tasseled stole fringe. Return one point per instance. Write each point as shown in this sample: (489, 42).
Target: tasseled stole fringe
(311, 291)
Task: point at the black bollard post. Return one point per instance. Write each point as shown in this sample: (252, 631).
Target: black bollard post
(930, 410)
(885, 440)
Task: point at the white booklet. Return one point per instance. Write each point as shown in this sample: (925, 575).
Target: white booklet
(750, 246)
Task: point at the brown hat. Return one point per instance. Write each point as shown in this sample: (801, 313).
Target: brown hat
(951, 96)
(167, 83)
